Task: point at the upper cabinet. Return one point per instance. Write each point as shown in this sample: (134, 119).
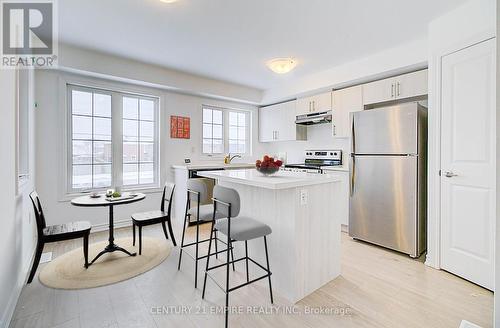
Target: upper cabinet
(394, 88)
(314, 104)
(277, 123)
(345, 102)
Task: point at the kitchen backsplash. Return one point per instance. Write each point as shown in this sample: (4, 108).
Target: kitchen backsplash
(318, 137)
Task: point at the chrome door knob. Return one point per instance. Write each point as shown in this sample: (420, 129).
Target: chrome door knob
(450, 174)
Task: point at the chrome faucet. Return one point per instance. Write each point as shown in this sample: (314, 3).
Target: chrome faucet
(228, 159)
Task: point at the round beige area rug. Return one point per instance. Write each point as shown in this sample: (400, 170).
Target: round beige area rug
(67, 271)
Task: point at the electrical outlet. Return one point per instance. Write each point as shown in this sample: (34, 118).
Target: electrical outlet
(303, 197)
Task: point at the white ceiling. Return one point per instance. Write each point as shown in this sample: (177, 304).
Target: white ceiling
(231, 40)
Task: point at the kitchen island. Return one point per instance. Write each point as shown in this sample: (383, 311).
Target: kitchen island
(301, 209)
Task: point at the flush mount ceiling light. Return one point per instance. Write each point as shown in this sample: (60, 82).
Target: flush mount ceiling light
(281, 65)
(168, 1)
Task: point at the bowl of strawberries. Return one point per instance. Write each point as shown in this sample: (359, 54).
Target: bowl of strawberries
(268, 165)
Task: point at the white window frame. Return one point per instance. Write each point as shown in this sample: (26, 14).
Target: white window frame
(116, 137)
(225, 130)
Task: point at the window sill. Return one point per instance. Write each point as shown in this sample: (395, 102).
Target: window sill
(145, 190)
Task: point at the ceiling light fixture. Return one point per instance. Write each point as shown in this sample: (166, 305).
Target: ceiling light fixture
(168, 1)
(281, 65)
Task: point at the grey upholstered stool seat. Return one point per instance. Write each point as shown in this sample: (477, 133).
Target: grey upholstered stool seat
(244, 228)
(206, 213)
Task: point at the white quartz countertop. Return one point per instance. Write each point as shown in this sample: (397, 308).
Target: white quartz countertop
(213, 165)
(279, 180)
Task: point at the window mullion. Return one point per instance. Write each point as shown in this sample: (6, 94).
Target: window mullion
(117, 138)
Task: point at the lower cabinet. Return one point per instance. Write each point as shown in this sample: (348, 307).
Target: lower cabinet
(344, 194)
(277, 123)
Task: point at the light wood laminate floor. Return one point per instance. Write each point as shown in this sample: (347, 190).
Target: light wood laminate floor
(377, 288)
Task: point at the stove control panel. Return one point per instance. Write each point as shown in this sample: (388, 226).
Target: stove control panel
(335, 154)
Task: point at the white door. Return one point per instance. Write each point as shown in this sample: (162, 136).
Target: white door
(468, 163)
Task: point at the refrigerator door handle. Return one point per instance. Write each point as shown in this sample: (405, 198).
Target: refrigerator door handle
(353, 174)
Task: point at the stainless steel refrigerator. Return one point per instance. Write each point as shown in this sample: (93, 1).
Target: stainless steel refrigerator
(388, 177)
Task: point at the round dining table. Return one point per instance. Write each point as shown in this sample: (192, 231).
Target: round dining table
(102, 200)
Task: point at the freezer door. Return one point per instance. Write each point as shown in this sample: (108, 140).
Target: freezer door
(389, 130)
(383, 202)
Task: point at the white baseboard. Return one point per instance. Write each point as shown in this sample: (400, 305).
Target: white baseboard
(11, 306)
(16, 292)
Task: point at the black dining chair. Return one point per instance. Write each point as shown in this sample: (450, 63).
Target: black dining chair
(154, 217)
(53, 233)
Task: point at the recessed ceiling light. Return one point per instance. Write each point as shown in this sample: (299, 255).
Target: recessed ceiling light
(281, 65)
(168, 1)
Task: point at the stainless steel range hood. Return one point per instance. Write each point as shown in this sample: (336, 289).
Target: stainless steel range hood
(314, 118)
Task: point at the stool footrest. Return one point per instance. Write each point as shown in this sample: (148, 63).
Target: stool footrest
(268, 274)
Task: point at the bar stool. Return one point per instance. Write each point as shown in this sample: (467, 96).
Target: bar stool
(197, 191)
(227, 202)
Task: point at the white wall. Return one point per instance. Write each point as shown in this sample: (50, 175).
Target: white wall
(472, 22)
(497, 241)
(104, 65)
(50, 146)
(16, 244)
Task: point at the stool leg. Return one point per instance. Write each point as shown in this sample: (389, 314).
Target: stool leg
(246, 259)
(232, 254)
(269, 271)
(227, 274)
(197, 247)
(216, 250)
(208, 259)
(183, 233)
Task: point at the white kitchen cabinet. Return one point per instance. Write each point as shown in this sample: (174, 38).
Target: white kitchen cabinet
(277, 123)
(396, 88)
(314, 104)
(343, 201)
(345, 102)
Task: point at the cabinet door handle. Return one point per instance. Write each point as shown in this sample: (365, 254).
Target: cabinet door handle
(277, 135)
(399, 89)
(392, 90)
(310, 104)
(314, 105)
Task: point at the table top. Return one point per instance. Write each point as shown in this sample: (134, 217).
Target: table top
(279, 180)
(103, 200)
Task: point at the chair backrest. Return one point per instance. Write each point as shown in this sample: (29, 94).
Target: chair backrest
(168, 195)
(40, 218)
(229, 196)
(197, 185)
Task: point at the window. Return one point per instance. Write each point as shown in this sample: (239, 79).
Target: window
(237, 132)
(225, 130)
(95, 160)
(138, 141)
